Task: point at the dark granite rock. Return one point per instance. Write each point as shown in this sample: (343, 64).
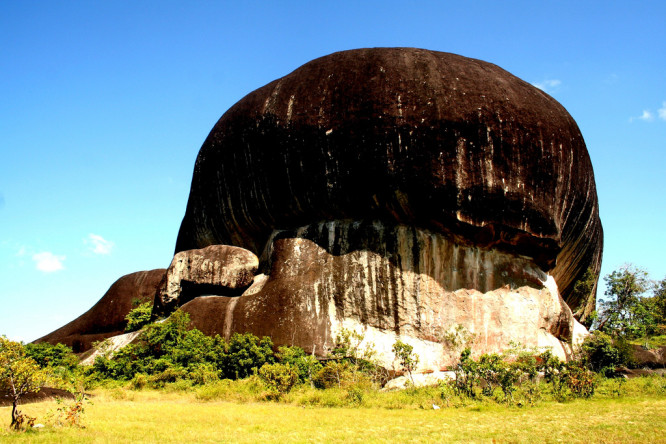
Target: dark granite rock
(107, 317)
(408, 137)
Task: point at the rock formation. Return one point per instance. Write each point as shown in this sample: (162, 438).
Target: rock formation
(218, 269)
(402, 192)
(408, 137)
(107, 317)
(399, 192)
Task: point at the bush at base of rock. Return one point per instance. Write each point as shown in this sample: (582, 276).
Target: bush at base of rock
(279, 378)
(603, 354)
(500, 377)
(307, 366)
(169, 350)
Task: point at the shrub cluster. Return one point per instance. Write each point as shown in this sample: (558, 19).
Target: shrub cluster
(500, 376)
(139, 316)
(169, 351)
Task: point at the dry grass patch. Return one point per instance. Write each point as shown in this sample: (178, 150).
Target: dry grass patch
(152, 416)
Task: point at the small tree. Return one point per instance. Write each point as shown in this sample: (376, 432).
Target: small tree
(658, 306)
(279, 378)
(139, 317)
(405, 355)
(19, 375)
(623, 310)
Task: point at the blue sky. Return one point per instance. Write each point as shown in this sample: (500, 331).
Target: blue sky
(104, 106)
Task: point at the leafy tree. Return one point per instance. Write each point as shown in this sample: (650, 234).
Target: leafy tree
(244, 353)
(623, 309)
(19, 375)
(405, 355)
(52, 356)
(139, 316)
(306, 365)
(603, 354)
(658, 306)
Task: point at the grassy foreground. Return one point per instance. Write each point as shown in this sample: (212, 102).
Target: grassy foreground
(158, 416)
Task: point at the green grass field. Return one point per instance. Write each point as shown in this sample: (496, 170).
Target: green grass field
(121, 415)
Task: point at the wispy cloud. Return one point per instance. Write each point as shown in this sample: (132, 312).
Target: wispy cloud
(98, 244)
(661, 112)
(548, 85)
(649, 116)
(646, 117)
(48, 262)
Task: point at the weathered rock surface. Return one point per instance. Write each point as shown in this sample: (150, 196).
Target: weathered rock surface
(217, 269)
(410, 137)
(653, 358)
(107, 317)
(418, 380)
(110, 346)
(410, 284)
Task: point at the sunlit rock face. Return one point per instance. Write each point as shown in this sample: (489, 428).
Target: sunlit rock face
(400, 192)
(219, 269)
(388, 284)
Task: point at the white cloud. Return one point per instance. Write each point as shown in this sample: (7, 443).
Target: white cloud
(548, 85)
(661, 112)
(99, 244)
(48, 262)
(647, 116)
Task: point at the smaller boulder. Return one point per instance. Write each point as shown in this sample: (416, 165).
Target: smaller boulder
(220, 270)
(652, 358)
(107, 317)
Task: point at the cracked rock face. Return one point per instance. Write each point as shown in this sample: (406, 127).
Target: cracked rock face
(424, 139)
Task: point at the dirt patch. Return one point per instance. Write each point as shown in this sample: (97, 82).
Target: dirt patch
(45, 394)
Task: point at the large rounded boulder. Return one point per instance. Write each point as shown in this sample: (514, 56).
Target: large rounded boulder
(453, 150)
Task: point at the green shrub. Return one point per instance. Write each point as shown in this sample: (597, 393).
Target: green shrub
(51, 356)
(279, 378)
(603, 354)
(203, 373)
(406, 357)
(244, 354)
(138, 317)
(467, 375)
(580, 380)
(355, 395)
(307, 366)
(168, 375)
(171, 349)
(241, 390)
(333, 374)
(139, 381)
